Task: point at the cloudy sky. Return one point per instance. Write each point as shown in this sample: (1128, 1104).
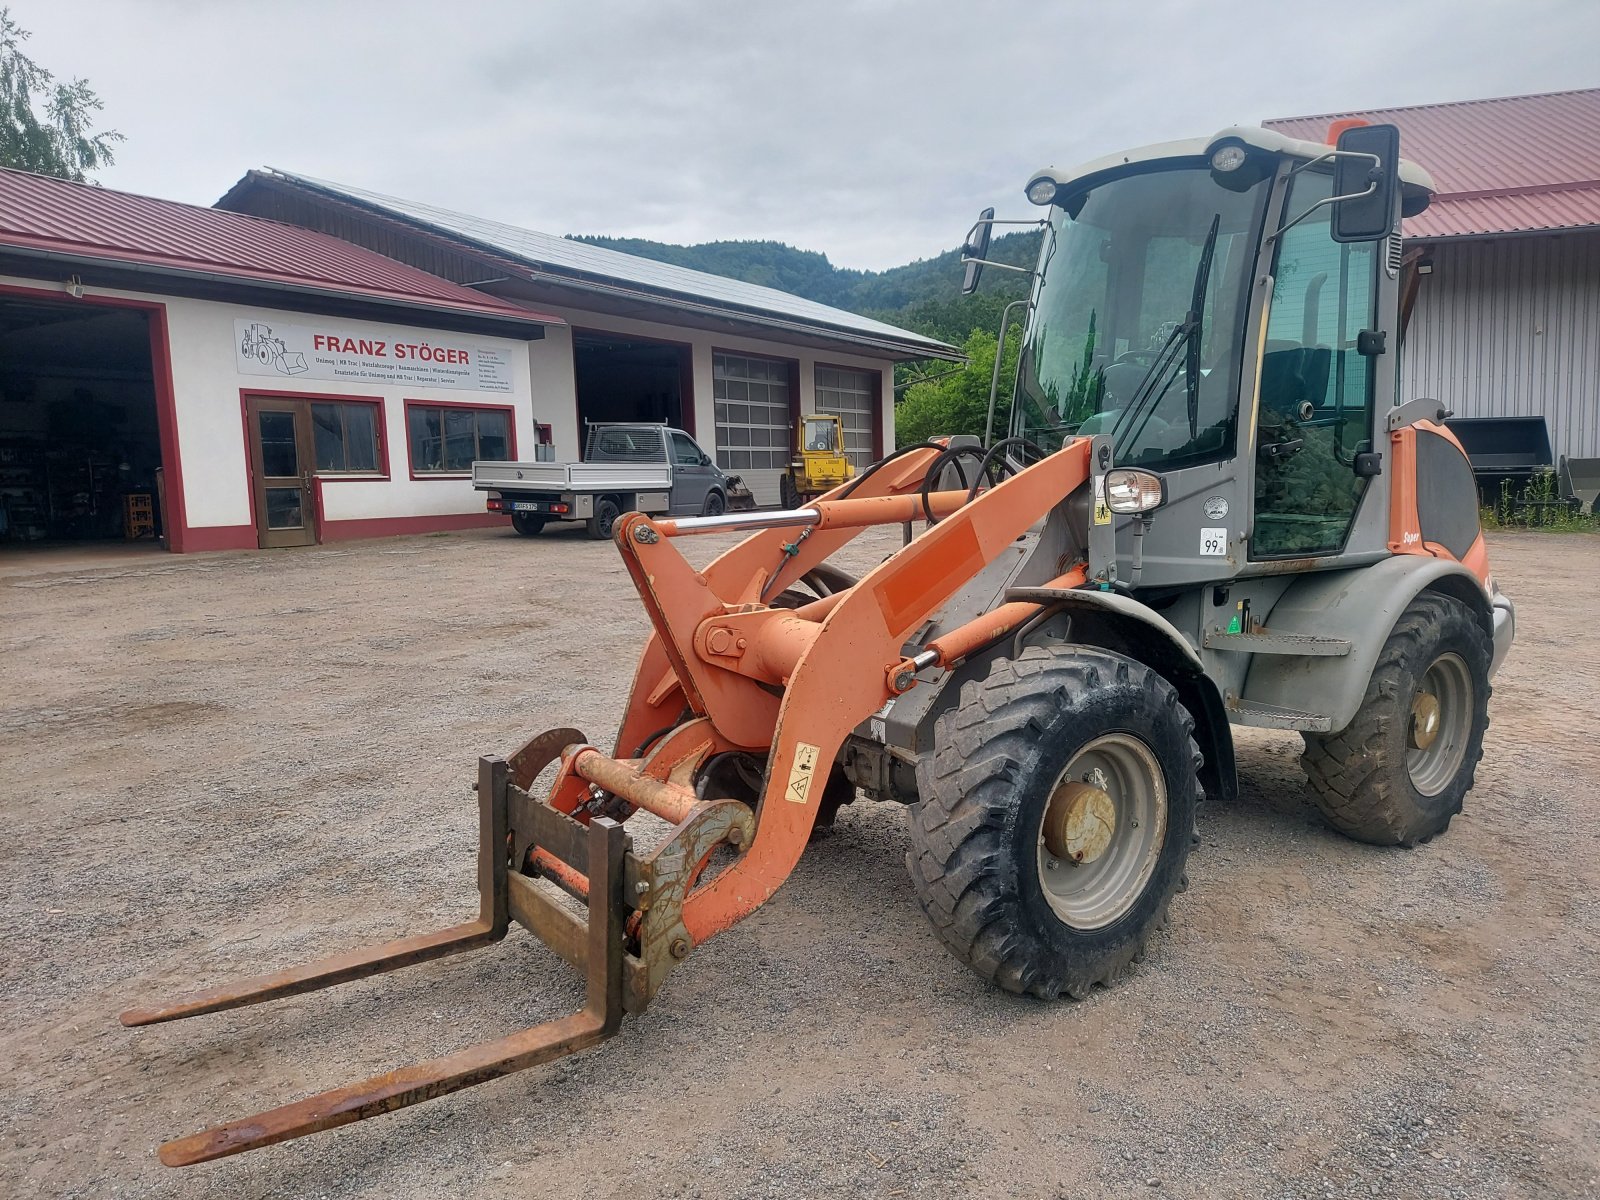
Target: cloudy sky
(872, 131)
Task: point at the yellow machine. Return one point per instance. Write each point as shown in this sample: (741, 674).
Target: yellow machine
(819, 464)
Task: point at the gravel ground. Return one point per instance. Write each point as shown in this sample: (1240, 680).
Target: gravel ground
(223, 764)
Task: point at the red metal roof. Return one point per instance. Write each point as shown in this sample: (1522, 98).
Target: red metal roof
(38, 212)
(1509, 165)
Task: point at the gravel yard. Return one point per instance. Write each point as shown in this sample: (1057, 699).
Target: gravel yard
(222, 764)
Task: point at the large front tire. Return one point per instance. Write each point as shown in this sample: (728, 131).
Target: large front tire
(1055, 818)
(1399, 772)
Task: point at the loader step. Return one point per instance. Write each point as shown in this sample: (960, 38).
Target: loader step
(1271, 716)
(1267, 642)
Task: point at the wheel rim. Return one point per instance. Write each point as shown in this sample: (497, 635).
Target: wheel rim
(607, 517)
(713, 505)
(1439, 724)
(1102, 831)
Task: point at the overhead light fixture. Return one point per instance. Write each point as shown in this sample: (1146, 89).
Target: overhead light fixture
(74, 287)
(1042, 190)
(1229, 157)
(1425, 266)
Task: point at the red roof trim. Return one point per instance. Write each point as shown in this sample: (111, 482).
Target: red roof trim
(292, 282)
(1504, 165)
(1407, 108)
(1532, 189)
(43, 215)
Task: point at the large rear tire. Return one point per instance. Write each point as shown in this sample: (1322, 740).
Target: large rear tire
(1399, 772)
(1055, 818)
(527, 524)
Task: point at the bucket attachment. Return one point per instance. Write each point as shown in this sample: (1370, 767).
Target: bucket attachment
(740, 497)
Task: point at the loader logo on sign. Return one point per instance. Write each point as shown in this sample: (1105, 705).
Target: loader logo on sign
(259, 343)
(805, 766)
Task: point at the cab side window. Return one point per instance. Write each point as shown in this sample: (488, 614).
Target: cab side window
(1315, 409)
(684, 452)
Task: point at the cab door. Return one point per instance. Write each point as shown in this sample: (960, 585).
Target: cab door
(1315, 408)
(691, 474)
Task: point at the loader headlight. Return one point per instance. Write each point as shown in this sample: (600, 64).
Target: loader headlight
(1134, 491)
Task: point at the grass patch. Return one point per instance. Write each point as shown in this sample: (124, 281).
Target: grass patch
(1538, 506)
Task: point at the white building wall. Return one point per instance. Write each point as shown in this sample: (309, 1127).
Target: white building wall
(207, 386)
(555, 394)
(1511, 327)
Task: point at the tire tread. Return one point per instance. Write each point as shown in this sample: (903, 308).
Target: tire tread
(961, 870)
(1356, 783)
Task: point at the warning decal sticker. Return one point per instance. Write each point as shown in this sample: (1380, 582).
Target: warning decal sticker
(805, 766)
(1102, 510)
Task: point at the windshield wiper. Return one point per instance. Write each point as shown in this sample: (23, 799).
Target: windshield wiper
(1185, 334)
(1196, 324)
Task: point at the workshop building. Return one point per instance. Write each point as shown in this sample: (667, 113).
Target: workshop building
(218, 379)
(733, 363)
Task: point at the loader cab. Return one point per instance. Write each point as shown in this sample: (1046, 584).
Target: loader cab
(819, 435)
(1225, 310)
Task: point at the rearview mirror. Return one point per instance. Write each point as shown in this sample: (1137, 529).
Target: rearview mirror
(1368, 213)
(976, 250)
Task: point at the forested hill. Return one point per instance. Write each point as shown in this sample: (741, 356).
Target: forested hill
(924, 296)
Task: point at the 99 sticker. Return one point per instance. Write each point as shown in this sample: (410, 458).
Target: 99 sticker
(1213, 543)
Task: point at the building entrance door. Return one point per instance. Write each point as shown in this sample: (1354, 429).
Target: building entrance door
(280, 469)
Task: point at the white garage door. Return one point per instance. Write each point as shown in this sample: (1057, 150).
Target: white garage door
(848, 395)
(754, 426)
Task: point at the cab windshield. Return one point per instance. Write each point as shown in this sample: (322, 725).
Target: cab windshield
(1118, 279)
(819, 435)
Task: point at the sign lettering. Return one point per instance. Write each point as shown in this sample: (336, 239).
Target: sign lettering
(280, 350)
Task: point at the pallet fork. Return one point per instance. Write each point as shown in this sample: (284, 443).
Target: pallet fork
(724, 673)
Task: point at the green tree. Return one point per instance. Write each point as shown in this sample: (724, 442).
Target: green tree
(64, 143)
(957, 400)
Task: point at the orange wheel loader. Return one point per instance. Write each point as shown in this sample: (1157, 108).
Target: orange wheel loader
(1211, 509)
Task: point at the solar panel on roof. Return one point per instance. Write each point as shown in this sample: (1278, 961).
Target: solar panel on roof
(545, 250)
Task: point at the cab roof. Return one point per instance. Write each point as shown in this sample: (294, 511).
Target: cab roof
(1415, 183)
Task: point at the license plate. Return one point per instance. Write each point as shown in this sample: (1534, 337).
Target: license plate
(527, 506)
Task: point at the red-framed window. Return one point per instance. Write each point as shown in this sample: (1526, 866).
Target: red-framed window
(349, 439)
(443, 438)
(349, 434)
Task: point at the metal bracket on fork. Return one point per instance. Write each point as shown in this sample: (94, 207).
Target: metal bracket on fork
(607, 846)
